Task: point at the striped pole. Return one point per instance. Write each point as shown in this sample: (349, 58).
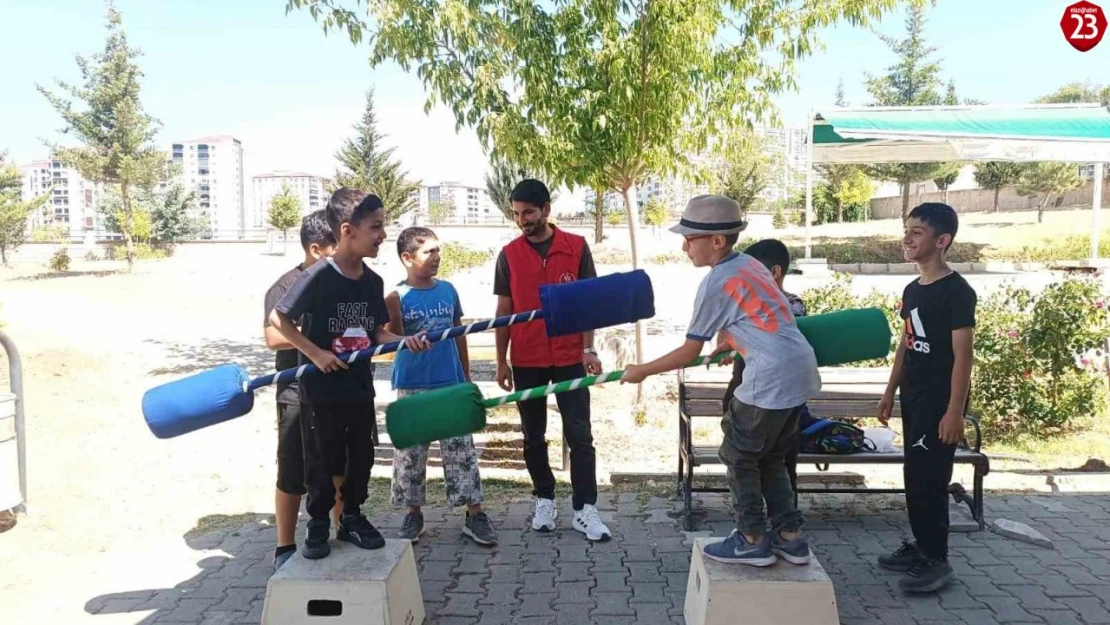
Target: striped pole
(590, 380)
(295, 373)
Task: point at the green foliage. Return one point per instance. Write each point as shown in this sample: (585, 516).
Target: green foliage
(997, 175)
(141, 251)
(778, 217)
(455, 258)
(913, 81)
(502, 177)
(655, 213)
(614, 218)
(365, 164)
(13, 210)
(439, 212)
(115, 217)
(116, 134)
(1038, 359)
(59, 261)
(285, 210)
(745, 172)
(838, 295)
(50, 233)
(170, 216)
(1077, 92)
(1047, 180)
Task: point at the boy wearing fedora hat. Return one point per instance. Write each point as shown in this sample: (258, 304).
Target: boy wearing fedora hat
(739, 300)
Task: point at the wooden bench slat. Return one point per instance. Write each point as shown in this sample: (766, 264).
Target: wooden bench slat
(820, 408)
(706, 455)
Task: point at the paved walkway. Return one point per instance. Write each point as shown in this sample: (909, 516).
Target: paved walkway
(640, 576)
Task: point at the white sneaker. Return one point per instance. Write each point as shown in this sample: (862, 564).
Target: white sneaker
(543, 518)
(589, 523)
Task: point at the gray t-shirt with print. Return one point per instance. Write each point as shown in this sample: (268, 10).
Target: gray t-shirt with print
(739, 297)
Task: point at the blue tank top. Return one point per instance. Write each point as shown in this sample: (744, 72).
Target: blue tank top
(432, 309)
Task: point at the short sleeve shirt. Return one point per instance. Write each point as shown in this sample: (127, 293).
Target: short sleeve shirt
(930, 313)
(739, 297)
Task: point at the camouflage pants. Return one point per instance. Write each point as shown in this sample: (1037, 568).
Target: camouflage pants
(460, 470)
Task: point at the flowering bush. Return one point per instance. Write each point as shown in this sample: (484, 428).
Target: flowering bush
(1039, 360)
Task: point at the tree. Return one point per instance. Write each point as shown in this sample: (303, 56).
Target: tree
(913, 81)
(655, 213)
(848, 184)
(170, 216)
(997, 175)
(13, 210)
(439, 212)
(946, 179)
(285, 212)
(118, 136)
(501, 178)
(365, 164)
(597, 93)
(1047, 180)
(745, 171)
(1077, 92)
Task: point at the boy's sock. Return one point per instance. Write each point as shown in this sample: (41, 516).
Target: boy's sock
(357, 530)
(282, 555)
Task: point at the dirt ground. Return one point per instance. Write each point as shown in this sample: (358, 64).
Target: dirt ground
(109, 504)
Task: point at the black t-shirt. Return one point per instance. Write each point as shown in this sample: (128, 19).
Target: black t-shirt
(283, 358)
(501, 283)
(340, 315)
(930, 313)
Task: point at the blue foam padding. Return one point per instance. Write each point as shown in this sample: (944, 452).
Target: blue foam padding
(615, 299)
(198, 401)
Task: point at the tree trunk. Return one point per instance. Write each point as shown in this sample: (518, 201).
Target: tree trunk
(599, 218)
(905, 200)
(945, 195)
(284, 242)
(839, 212)
(1040, 209)
(633, 225)
(3, 255)
(129, 217)
(996, 190)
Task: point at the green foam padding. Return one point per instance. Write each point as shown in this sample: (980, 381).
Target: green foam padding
(435, 415)
(847, 336)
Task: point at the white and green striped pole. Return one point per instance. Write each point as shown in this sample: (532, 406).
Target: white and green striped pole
(590, 380)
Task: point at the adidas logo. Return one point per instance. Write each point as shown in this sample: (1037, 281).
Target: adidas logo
(915, 333)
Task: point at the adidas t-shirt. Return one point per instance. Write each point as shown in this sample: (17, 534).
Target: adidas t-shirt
(930, 313)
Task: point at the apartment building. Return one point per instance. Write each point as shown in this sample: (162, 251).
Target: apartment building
(310, 189)
(469, 205)
(72, 200)
(213, 167)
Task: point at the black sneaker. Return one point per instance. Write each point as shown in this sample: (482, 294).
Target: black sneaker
(926, 575)
(316, 543)
(901, 560)
(357, 530)
(480, 528)
(412, 528)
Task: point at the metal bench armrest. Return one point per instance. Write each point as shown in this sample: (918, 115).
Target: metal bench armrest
(974, 420)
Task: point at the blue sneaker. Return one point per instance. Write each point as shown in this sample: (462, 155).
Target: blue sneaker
(793, 551)
(736, 549)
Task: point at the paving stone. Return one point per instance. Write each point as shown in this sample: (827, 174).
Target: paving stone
(573, 613)
(538, 563)
(498, 593)
(573, 572)
(644, 572)
(120, 606)
(610, 582)
(574, 553)
(608, 563)
(255, 615)
(674, 562)
(536, 604)
(978, 617)
(538, 583)
(1090, 609)
(1003, 575)
(473, 563)
(957, 599)
(612, 604)
(498, 615)
(469, 583)
(507, 554)
(1009, 610)
(928, 607)
(239, 600)
(1057, 617)
(461, 605)
(455, 620)
(672, 544)
(641, 554)
(187, 611)
(980, 586)
(648, 592)
(573, 592)
(436, 571)
(502, 573)
(652, 613)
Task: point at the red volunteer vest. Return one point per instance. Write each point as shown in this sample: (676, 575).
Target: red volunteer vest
(530, 345)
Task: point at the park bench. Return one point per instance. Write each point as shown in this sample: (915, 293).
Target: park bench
(844, 394)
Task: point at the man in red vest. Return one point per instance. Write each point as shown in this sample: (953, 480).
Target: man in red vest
(545, 254)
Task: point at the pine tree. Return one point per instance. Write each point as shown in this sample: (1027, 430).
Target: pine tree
(117, 135)
(913, 81)
(367, 165)
(13, 210)
(997, 175)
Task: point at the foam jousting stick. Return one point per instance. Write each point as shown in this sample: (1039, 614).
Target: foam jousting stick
(837, 338)
(460, 409)
(227, 392)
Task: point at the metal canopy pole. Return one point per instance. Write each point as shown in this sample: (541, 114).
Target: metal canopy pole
(1096, 210)
(15, 376)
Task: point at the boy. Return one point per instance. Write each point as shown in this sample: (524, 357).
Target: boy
(932, 372)
(423, 303)
(318, 242)
(740, 298)
(341, 304)
(776, 258)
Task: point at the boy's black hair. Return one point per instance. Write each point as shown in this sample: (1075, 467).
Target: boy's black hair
(938, 216)
(531, 191)
(770, 252)
(351, 206)
(315, 229)
(732, 239)
(412, 238)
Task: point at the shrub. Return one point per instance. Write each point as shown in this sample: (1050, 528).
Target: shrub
(1036, 369)
(838, 295)
(778, 218)
(143, 251)
(60, 260)
(454, 258)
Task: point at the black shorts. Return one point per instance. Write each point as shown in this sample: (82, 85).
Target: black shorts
(290, 451)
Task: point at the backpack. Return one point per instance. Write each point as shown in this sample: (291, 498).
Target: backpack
(827, 436)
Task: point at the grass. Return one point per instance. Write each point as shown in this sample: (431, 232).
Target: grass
(1065, 453)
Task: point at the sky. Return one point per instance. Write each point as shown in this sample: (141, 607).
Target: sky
(291, 94)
